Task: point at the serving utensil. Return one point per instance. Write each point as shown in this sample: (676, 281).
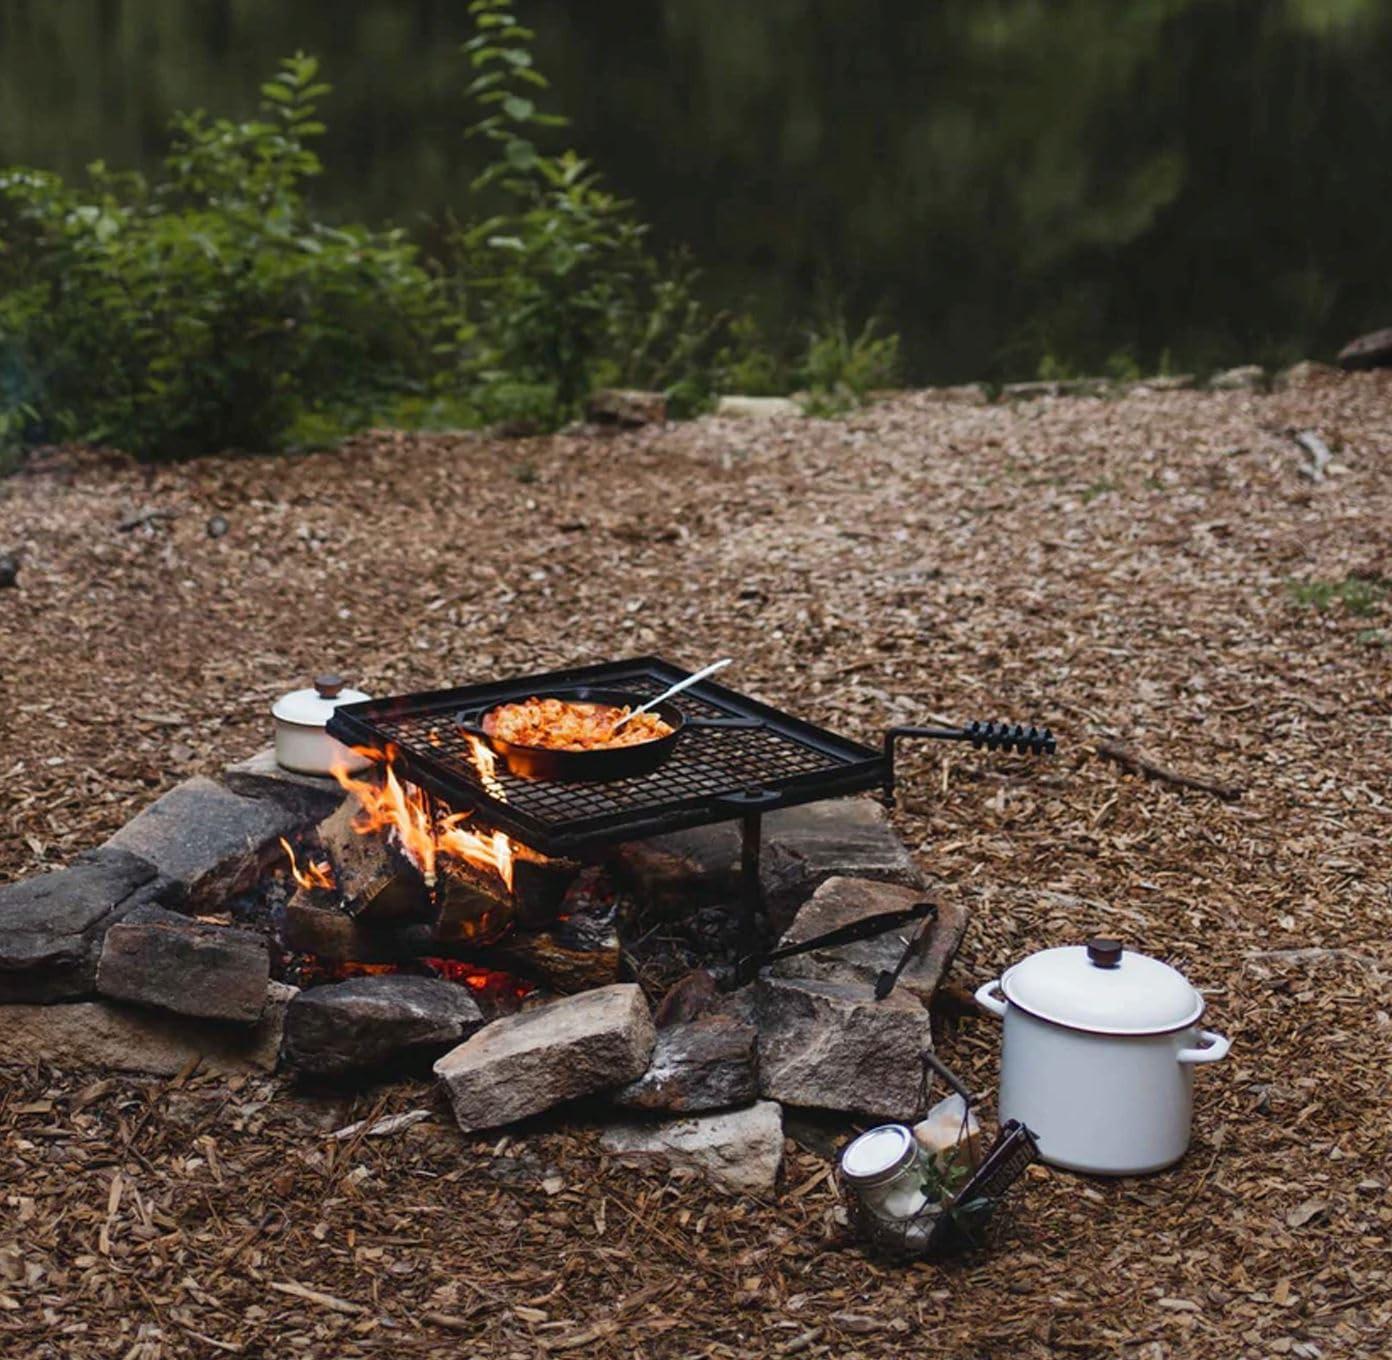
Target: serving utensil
(675, 689)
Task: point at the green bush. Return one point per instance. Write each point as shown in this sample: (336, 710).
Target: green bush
(207, 310)
(211, 309)
(840, 370)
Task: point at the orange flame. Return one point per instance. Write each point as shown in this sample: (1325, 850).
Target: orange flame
(403, 812)
(315, 874)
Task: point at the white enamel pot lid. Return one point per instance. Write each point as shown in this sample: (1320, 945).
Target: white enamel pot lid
(314, 707)
(1102, 988)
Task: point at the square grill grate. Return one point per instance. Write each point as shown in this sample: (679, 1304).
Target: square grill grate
(759, 760)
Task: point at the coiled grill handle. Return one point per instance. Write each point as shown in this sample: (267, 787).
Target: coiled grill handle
(992, 736)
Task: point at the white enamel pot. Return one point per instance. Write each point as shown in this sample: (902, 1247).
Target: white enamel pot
(301, 743)
(1098, 1055)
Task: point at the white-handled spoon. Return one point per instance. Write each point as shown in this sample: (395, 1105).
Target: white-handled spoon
(676, 689)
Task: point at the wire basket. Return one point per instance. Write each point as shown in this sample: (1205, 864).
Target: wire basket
(964, 1194)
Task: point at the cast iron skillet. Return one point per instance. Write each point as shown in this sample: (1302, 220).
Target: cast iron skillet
(618, 762)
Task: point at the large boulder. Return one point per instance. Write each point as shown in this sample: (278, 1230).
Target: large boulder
(1373, 350)
(827, 1045)
(106, 1034)
(525, 1063)
(52, 925)
(367, 1022)
(159, 958)
(739, 1150)
(211, 841)
(843, 901)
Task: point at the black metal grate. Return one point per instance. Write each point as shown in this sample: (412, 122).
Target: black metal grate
(759, 760)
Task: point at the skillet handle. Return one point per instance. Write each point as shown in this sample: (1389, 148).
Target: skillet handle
(471, 720)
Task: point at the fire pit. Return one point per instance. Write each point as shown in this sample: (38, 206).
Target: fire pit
(525, 928)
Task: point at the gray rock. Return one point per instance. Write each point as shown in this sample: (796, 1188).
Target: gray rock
(839, 902)
(105, 1034)
(525, 1063)
(159, 958)
(757, 408)
(839, 838)
(740, 1150)
(1307, 373)
(210, 840)
(827, 1045)
(1166, 382)
(1029, 391)
(310, 797)
(625, 407)
(966, 394)
(802, 848)
(711, 1063)
(51, 926)
(1248, 377)
(366, 1022)
(1373, 350)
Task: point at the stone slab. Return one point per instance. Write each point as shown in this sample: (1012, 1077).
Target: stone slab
(825, 1045)
(109, 1035)
(528, 1062)
(210, 840)
(841, 901)
(52, 925)
(369, 1022)
(802, 848)
(160, 958)
(1373, 350)
(1244, 378)
(738, 1150)
(711, 1063)
(757, 408)
(310, 797)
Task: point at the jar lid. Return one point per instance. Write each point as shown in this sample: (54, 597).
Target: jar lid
(1102, 988)
(878, 1155)
(314, 707)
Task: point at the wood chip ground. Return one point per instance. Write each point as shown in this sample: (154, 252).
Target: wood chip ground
(1117, 569)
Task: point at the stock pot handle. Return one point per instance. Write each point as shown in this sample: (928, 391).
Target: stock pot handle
(988, 1000)
(1217, 1046)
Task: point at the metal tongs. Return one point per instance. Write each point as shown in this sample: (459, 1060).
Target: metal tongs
(747, 968)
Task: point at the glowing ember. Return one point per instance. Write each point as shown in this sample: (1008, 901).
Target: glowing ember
(403, 812)
(315, 874)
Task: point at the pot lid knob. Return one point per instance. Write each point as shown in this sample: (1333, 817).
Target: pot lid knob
(1104, 953)
(328, 686)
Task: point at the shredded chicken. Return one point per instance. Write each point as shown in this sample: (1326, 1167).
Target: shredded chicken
(562, 725)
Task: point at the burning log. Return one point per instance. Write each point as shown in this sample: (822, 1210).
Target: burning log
(582, 950)
(307, 927)
(374, 878)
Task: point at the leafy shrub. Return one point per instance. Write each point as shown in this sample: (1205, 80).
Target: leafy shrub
(210, 309)
(562, 290)
(840, 370)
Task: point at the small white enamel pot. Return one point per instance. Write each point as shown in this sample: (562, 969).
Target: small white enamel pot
(1098, 1054)
(301, 743)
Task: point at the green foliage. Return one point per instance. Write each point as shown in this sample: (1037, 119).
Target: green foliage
(563, 294)
(1359, 595)
(840, 370)
(209, 309)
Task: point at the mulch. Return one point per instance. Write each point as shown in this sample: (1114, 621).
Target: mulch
(1117, 569)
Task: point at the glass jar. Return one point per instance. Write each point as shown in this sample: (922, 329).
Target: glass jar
(885, 1169)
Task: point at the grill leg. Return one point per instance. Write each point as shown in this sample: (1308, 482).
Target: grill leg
(750, 888)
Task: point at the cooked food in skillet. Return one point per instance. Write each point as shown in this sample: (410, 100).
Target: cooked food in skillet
(570, 725)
